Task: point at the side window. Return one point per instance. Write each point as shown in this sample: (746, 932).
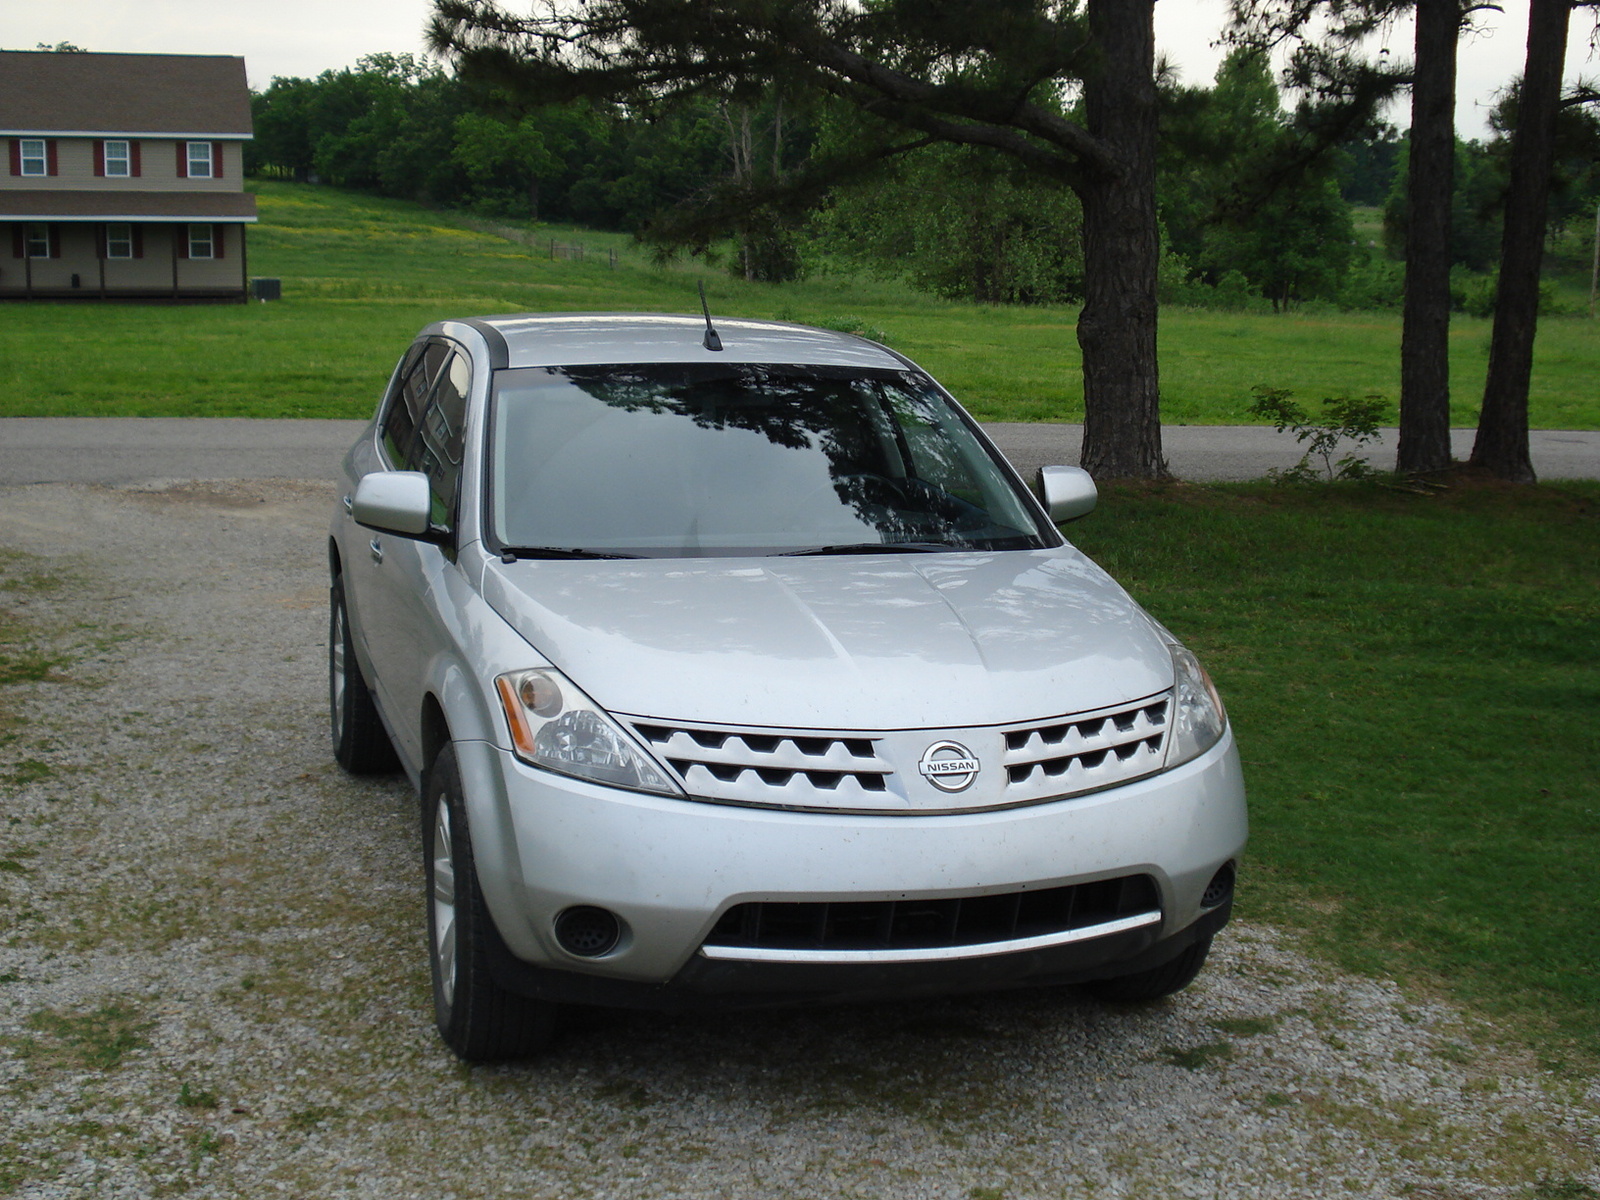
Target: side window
(424, 421)
(439, 440)
(402, 407)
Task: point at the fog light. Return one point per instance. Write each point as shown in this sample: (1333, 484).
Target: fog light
(588, 932)
(1220, 889)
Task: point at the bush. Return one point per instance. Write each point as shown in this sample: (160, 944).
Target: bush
(1354, 417)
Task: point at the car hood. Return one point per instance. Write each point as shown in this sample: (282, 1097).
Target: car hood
(876, 642)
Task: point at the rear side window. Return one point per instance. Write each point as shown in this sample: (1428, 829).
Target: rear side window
(403, 407)
(439, 438)
(424, 421)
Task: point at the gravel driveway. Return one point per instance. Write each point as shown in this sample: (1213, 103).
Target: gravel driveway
(212, 979)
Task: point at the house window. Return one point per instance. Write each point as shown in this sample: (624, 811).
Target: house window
(119, 160)
(38, 241)
(199, 160)
(119, 241)
(200, 242)
(34, 157)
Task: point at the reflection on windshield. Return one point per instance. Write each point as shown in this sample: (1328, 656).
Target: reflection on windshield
(696, 460)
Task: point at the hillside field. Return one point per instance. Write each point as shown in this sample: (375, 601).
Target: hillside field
(361, 275)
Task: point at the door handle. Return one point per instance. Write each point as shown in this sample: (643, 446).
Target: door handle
(377, 550)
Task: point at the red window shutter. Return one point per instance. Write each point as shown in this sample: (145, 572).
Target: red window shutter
(99, 159)
(183, 160)
(218, 234)
(50, 153)
(216, 163)
(133, 158)
(138, 241)
(16, 159)
(55, 236)
(19, 240)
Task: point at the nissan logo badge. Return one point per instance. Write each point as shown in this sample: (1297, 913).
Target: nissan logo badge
(949, 766)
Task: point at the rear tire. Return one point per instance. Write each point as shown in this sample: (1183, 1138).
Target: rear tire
(478, 1019)
(360, 743)
(1169, 977)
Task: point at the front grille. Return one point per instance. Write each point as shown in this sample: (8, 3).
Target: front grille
(928, 924)
(1086, 752)
(877, 771)
(780, 768)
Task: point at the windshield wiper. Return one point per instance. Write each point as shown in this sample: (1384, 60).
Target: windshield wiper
(872, 548)
(512, 553)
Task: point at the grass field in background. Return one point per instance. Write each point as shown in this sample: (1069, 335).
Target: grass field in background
(1415, 685)
(361, 275)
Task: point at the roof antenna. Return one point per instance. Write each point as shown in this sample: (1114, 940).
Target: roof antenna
(712, 341)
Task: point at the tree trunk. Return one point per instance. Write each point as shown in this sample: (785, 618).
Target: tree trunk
(1502, 443)
(1121, 255)
(1425, 337)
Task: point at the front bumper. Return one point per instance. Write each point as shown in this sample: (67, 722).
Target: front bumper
(669, 868)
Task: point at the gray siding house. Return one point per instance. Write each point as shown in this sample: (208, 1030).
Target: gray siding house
(123, 176)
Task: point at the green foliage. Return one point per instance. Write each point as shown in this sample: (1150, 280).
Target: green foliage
(1475, 211)
(1351, 418)
(1367, 168)
(396, 126)
(1231, 206)
(1575, 167)
(965, 225)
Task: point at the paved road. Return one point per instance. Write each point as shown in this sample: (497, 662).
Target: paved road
(117, 450)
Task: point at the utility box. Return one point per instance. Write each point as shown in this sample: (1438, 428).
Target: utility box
(266, 289)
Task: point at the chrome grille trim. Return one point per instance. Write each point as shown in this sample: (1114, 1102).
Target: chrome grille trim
(876, 771)
(1088, 751)
(780, 768)
(932, 953)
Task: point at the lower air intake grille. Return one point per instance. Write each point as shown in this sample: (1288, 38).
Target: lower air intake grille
(927, 924)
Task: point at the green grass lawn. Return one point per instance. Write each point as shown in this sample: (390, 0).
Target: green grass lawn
(360, 275)
(1415, 685)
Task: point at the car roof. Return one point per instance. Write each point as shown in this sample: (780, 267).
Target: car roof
(589, 339)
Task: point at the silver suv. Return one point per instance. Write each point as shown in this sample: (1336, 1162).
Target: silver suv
(735, 667)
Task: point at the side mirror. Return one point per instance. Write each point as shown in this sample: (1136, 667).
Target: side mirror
(1068, 493)
(394, 502)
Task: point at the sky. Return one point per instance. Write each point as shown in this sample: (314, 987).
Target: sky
(307, 37)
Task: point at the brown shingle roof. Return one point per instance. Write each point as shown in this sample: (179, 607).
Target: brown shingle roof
(47, 92)
(123, 206)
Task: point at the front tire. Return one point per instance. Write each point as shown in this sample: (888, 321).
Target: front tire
(478, 1019)
(360, 743)
(1169, 977)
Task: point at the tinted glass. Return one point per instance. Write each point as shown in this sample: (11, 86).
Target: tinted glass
(439, 438)
(404, 405)
(737, 459)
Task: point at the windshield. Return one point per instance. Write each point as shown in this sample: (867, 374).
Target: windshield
(739, 459)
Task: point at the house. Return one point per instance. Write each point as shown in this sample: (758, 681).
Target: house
(124, 176)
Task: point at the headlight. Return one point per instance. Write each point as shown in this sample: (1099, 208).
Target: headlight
(1198, 718)
(555, 726)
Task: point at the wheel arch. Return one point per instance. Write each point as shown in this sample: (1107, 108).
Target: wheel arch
(435, 728)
